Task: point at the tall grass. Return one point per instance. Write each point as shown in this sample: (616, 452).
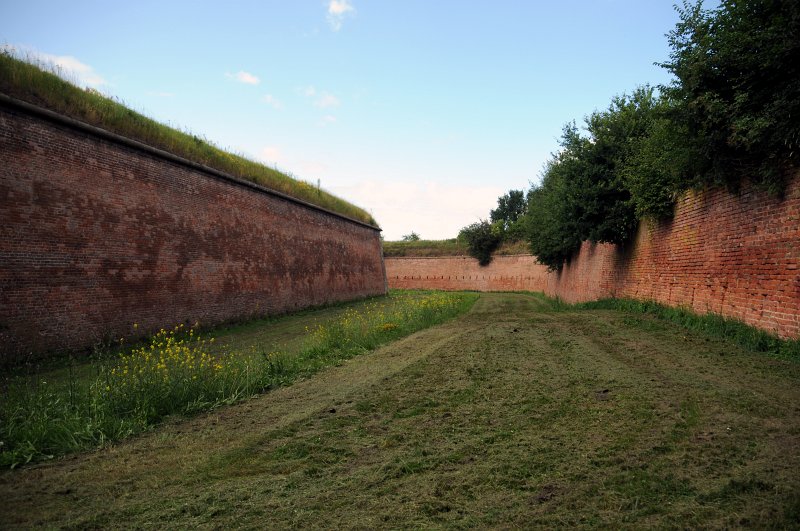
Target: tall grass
(712, 324)
(450, 247)
(175, 374)
(39, 83)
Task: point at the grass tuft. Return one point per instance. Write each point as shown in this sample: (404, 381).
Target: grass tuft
(714, 325)
(40, 83)
(177, 373)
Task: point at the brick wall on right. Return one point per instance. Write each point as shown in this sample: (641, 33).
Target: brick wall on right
(735, 254)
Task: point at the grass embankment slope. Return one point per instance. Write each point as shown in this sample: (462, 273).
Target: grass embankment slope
(34, 84)
(520, 413)
(451, 247)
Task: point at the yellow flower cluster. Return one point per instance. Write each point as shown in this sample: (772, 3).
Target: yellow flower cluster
(175, 357)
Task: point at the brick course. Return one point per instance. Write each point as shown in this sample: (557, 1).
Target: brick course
(737, 255)
(504, 273)
(97, 234)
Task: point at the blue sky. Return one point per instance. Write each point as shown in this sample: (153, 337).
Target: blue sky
(422, 112)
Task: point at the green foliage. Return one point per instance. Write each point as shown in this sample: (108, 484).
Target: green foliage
(656, 171)
(449, 247)
(552, 232)
(731, 113)
(737, 86)
(176, 373)
(39, 84)
(712, 324)
(482, 240)
(584, 194)
(605, 206)
(413, 237)
(510, 207)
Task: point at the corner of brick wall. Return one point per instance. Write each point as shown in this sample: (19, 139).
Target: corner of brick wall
(732, 254)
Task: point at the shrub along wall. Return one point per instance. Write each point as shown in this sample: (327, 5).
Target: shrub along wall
(735, 254)
(98, 233)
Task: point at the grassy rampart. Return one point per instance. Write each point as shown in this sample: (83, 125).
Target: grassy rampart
(450, 247)
(38, 84)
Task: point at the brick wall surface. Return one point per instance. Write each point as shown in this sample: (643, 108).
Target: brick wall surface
(504, 273)
(737, 255)
(96, 235)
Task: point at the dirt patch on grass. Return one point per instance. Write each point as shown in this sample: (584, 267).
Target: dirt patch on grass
(514, 415)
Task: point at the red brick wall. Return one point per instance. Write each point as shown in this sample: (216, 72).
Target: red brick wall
(733, 254)
(504, 273)
(96, 235)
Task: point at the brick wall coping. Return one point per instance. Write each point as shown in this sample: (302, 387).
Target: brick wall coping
(119, 139)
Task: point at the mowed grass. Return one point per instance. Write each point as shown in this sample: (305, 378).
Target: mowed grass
(521, 413)
(46, 414)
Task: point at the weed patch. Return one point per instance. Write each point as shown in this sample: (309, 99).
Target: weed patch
(177, 373)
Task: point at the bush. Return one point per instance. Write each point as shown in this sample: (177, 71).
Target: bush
(552, 231)
(482, 240)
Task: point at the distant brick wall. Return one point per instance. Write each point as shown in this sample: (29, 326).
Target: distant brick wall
(97, 234)
(737, 255)
(454, 273)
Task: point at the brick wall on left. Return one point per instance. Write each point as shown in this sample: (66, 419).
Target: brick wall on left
(96, 235)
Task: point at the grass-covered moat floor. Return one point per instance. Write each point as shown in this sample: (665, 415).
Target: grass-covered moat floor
(520, 413)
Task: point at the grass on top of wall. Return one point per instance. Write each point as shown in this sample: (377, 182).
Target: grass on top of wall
(41, 84)
(714, 325)
(450, 247)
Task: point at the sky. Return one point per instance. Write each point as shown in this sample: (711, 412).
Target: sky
(422, 112)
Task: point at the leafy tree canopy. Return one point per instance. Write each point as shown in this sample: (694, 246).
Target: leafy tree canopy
(510, 207)
(737, 86)
(481, 240)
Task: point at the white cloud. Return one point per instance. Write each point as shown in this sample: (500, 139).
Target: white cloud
(271, 100)
(271, 154)
(339, 7)
(328, 119)
(84, 73)
(66, 66)
(433, 210)
(322, 99)
(326, 100)
(244, 77)
(338, 10)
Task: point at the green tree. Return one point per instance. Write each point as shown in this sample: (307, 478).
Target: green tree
(552, 230)
(584, 193)
(657, 169)
(615, 136)
(510, 207)
(481, 240)
(413, 237)
(737, 85)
